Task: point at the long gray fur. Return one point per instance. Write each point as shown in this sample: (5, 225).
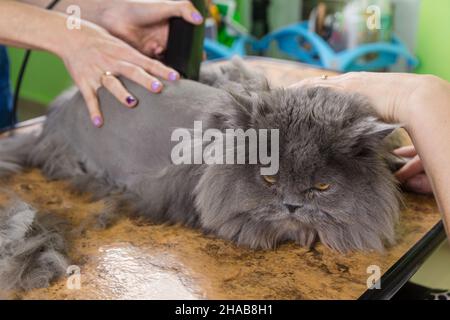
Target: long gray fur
(32, 248)
(325, 136)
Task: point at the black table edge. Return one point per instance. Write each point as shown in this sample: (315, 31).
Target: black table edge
(393, 279)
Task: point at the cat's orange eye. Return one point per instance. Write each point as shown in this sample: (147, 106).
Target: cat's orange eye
(322, 186)
(270, 179)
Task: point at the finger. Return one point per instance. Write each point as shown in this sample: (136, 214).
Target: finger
(419, 184)
(407, 151)
(410, 169)
(184, 9)
(139, 76)
(91, 100)
(118, 90)
(155, 67)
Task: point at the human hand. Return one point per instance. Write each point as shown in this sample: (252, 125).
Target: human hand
(144, 24)
(389, 93)
(412, 175)
(94, 58)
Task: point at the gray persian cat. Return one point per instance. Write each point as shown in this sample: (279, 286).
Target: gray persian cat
(333, 184)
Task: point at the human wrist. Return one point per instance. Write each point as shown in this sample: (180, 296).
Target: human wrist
(431, 96)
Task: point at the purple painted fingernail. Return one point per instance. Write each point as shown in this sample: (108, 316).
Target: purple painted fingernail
(197, 17)
(156, 85)
(131, 100)
(97, 120)
(173, 76)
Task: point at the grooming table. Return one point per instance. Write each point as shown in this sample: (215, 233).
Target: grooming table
(132, 260)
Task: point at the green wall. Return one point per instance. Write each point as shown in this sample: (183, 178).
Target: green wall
(45, 76)
(433, 46)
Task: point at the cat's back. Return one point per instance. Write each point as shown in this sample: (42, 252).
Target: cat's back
(133, 140)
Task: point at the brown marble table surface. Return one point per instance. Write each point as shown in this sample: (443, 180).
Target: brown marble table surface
(143, 261)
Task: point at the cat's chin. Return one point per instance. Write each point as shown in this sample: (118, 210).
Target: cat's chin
(260, 235)
(292, 220)
(292, 224)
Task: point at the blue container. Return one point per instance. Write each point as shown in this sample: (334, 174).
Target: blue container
(301, 44)
(215, 50)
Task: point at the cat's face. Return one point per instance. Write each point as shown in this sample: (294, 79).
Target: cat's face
(332, 180)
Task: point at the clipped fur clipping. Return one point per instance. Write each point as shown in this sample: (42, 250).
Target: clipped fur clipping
(32, 248)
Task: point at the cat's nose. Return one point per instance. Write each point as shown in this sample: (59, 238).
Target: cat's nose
(291, 207)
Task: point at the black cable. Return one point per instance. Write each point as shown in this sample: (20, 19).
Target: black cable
(19, 80)
(21, 75)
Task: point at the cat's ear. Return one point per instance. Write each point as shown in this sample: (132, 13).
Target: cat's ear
(244, 107)
(236, 114)
(258, 104)
(371, 128)
(243, 110)
(380, 130)
(366, 135)
(243, 100)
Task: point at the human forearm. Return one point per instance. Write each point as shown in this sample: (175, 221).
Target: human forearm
(143, 24)
(91, 10)
(34, 33)
(428, 123)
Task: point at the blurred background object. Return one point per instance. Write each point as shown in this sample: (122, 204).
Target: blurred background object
(343, 35)
(344, 24)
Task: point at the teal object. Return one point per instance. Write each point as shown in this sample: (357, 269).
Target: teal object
(5, 90)
(292, 39)
(215, 50)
